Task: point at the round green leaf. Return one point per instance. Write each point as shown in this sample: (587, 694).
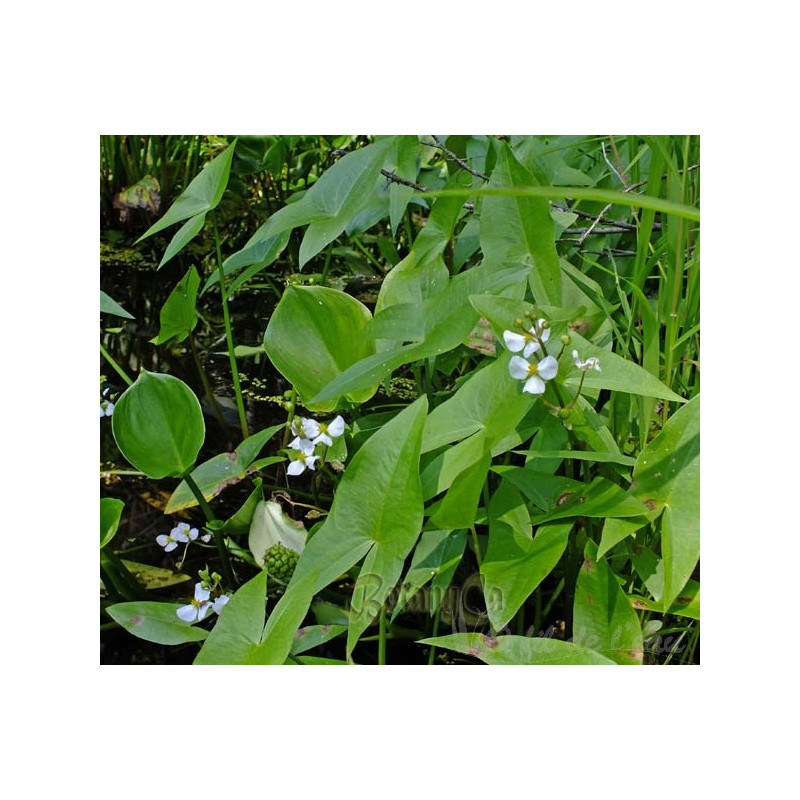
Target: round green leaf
(110, 513)
(158, 426)
(314, 335)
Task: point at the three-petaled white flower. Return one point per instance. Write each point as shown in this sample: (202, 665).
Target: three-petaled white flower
(305, 457)
(199, 606)
(590, 363)
(321, 432)
(534, 375)
(180, 534)
(106, 408)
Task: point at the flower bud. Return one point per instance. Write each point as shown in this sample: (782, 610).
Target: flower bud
(565, 339)
(518, 323)
(287, 406)
(563, 413)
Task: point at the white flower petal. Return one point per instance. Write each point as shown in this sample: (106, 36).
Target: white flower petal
(220, 602)
(193, 534)
(530, 348)
(297, 467)
(187, 613)
(206, 537)
(180, 536)
(544, 333)
(311, 428)
(548, 368)
(336, 428)
(519, 368)
(170, 547)
(163, 539)
(514, 341)
(534, 385)
(201, 594)
(311, 460)
(323, 438)
(203, 611)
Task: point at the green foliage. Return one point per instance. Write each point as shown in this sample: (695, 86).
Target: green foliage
(552, 528)
(158, 425)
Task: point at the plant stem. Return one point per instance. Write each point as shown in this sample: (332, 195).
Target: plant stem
(382, 637)
(116, 366)
(435, 632)
(476, 545)
(228, 332)
(225, 561)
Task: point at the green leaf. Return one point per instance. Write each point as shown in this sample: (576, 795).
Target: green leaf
(460, 504)
(406, 153)
(616, 373)
(313, 636)
(604, 618)
(521, 228)
(441, 322)
(237, 632)
(178, 316)
(109, 306)
(239, 522)
(514, 563)
(200, 196)
(158, 425)
(510, 650)
(221, 471)
(256, 255)
(378, 509)
(110, 513)
(185, 234)
(437, 554)
(667, 474)
(616, 530)
(341, 194)
(313, 336)
(155, 622)
(687, 604)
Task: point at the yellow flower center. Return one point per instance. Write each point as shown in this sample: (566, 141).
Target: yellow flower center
(533, 369)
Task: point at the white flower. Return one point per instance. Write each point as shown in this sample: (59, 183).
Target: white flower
(299, 443)
(199, 607)
(534, 375)
(301, 427)
(183, 532)
(167, 541)
(590, 363)
(321, 432)
(521, 341)
(304, 459)
(206, 537)
(106, 408)
(220, 602)
(528, 341)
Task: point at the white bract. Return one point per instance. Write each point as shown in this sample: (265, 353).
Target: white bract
(534, 375)
(322, 432)
(270, 526)
(199, 607)
(590, 363)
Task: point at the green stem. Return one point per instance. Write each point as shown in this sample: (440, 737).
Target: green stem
(476, 545)
(116, 366)
(225, 561)
(382, 637)
(229, 332)
(287, 433)
(434, 634)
